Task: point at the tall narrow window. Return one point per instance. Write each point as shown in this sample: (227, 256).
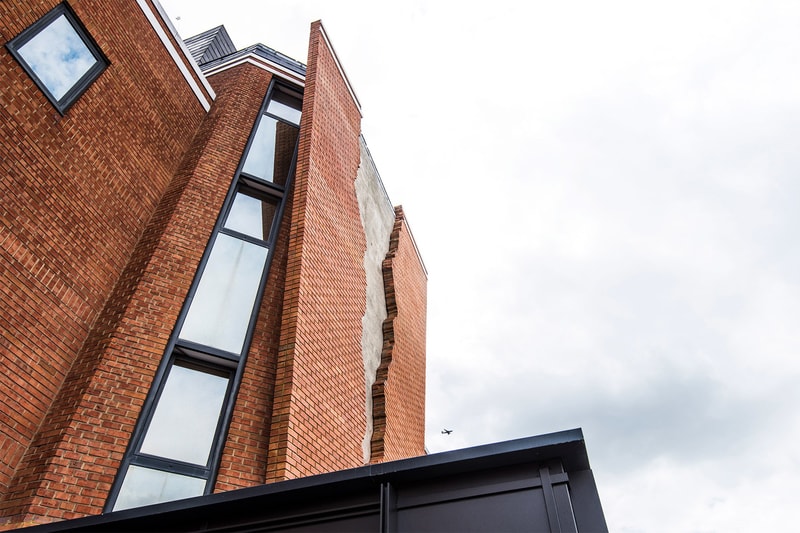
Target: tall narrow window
(185, 419)
(173, 458)
(272, 148)
(175, 450)
(59, 55)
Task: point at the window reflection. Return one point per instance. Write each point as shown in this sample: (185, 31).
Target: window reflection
(58, 56)
(145, 486)
(251, 216)
(185, 419)
(270, 154)
(286, 107)
(219, 314)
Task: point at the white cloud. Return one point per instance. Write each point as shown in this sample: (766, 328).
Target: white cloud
(605, 198)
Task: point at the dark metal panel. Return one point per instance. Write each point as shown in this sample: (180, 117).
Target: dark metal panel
(388, 508)
(356, 524)
(522, 510)
(210, 45)
(586, 502)
(468, 485)
(566, 518)
(262, 51)
(559, 506)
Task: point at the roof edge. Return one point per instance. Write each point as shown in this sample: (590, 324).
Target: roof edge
(177, 38)
(568, 446)
(251, 57)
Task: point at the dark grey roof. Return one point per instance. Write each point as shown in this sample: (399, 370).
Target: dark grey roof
(210, 45)
(214, 47)
(541, 483)
(262, 51)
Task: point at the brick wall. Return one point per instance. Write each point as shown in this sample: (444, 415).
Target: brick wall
(399, 389)
(105, 215)
(77, 193)
(318, 421)
(71, 464)
(405, 385)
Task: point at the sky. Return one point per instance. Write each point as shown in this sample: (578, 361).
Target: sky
(604, 197)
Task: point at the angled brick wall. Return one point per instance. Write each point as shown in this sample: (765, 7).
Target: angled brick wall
(318, 421)
(77, 193)
(69, 468)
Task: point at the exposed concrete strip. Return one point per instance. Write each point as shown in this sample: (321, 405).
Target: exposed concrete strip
(377, 218)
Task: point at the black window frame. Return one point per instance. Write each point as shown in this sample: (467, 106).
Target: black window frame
(256, 182)
(176, 466)
(248, 189)
(72, 95)
(206, 356)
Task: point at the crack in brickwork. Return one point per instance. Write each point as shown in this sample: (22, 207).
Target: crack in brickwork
(398, 394)
(377, 444)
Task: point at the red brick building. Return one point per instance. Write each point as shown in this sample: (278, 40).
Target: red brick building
(204, 284)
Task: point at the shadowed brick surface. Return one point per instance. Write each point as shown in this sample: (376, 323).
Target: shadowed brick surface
(73, 459)
(73, 210)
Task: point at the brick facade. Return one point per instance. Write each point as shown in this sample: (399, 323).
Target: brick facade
(73, 210)
(106, 214)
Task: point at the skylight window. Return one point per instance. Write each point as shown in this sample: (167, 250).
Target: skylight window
(59, 55)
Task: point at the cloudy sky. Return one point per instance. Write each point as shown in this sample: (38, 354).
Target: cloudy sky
(604, 195)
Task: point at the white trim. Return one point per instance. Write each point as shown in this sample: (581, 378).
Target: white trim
(261, 63)
(151, 18)
(339, 66)
(184, 49)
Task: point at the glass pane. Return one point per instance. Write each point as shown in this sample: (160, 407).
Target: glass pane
(185, 419)
(220, 311)
(58, 56)
(144, 486)
(285, 106)
(251, 216)
(270, 155)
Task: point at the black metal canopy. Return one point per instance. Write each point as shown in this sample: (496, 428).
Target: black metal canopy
(540, 483)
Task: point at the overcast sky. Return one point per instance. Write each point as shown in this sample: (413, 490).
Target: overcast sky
(604, 196)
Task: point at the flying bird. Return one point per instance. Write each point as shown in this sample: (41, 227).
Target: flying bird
(446, 431)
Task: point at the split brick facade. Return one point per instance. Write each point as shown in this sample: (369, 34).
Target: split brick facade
(107, 215)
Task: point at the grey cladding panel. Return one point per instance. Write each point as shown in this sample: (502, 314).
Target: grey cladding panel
(522, 510)
(210, 45)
